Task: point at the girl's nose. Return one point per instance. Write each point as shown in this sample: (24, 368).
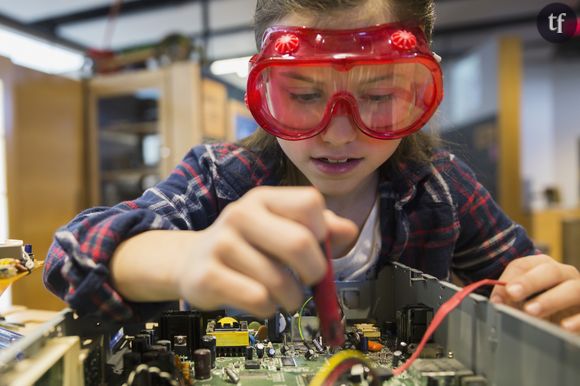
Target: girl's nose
(340, 131)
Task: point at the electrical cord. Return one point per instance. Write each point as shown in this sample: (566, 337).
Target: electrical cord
(337, 365)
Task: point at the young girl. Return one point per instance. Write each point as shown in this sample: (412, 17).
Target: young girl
(341, 89)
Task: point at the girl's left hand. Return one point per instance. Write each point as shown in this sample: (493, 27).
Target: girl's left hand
(544, 288)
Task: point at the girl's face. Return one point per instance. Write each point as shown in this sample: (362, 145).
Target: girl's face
(342, 159)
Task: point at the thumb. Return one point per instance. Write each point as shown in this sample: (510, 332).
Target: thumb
(342, 233)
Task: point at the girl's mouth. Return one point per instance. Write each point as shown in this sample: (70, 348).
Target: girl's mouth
(336, 165)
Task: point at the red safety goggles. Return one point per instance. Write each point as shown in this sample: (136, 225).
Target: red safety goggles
(384, 77)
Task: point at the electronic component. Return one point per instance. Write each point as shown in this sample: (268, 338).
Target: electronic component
(412, 322)
(443, 371)
(369, 330)
(363, 345)
(318, 346)
(260, 350)
(252, 365)
(202, 363)
(397, 358)
(187, 324)
(288, 362)
(271, 352)
(209, 342)
(232, 376)
(249, 353)
(276, 327)
(232, 337)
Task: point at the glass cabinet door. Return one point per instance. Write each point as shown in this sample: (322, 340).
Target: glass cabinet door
(129, 143)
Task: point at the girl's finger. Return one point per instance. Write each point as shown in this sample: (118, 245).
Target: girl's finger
(537, 279)
(222, 286)
(242, 257)
(563, 296)
(572, 323)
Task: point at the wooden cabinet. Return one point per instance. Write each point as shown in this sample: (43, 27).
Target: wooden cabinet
(141, 124)
(44, 164)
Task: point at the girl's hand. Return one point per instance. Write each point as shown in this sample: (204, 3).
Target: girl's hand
(542, 287)
(242, 259)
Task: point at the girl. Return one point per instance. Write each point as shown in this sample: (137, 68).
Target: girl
(341, 89)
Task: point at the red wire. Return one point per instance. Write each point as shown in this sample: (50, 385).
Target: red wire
(445, 309)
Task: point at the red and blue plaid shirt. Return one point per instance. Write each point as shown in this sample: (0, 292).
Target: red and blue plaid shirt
(436, 218)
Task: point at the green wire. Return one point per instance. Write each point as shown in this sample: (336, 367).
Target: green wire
(300, 317)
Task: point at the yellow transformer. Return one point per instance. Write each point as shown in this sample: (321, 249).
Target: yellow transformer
(231, 336)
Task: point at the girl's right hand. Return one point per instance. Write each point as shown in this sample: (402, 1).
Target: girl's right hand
(242, 259)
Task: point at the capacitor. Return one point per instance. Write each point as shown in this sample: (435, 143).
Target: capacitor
(404, 348)
(209, 342)
(232, 376)
(309, 354)
(140, 344)
(202, 366)
(357, 374)
(271, 352)
(166, 343)
(249, 353)
(28, 250)
(397, 357)
(317, 346)
(130, 361)
(363, 344)
(146, 336)
(260, 350)
(284, 349)
(166, 361)
(158, 348)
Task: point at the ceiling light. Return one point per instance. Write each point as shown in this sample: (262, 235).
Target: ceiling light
(32, 52)
(237, 66)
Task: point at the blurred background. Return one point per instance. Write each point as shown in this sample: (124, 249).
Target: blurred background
(100, 99)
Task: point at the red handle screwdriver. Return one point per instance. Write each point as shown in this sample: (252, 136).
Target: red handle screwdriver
(327, 306)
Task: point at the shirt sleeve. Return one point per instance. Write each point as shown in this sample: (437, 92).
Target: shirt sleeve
(77, 265)
(488, 239)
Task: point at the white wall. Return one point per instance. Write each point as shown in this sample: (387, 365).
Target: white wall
(537, 119)
(566, 126)
(470, 87)
(551, 128)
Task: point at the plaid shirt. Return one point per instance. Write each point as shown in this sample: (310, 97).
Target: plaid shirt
(436, 218)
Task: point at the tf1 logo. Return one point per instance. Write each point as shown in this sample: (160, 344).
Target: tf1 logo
(557, 23)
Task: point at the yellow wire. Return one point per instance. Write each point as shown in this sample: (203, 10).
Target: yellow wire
(300, 317)
(333, 362)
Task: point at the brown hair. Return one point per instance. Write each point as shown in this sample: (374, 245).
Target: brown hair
(416, 148)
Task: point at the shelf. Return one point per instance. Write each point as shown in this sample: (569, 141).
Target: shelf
(131, 128)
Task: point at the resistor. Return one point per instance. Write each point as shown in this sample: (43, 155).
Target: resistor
(232, 376)
(317, 346)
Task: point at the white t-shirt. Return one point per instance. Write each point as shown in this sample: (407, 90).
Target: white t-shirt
(364, 254)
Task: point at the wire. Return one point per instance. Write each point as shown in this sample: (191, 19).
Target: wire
(445, 309)
(300, 317)
(337, 365)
